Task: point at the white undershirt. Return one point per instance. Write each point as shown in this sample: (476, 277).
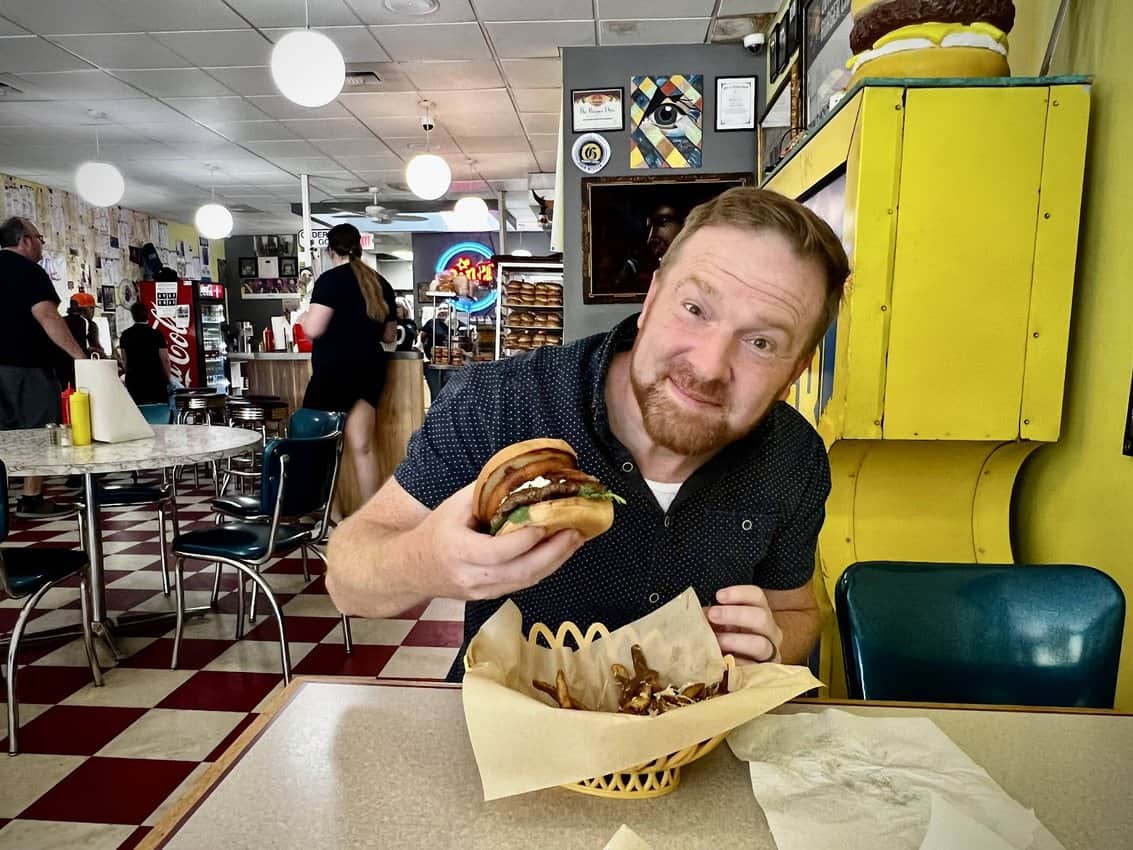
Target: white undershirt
(663, 492)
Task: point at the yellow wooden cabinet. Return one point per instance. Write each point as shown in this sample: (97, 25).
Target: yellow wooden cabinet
(959, 203)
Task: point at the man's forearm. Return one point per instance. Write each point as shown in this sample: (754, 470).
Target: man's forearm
(61, 335)
(371, 569)
(800, 633)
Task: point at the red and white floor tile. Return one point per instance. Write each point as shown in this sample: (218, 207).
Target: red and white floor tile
(98, 766)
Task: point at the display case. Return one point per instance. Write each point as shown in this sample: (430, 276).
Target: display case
(530, 313)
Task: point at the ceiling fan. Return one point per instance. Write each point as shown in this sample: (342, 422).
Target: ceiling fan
(379, 214)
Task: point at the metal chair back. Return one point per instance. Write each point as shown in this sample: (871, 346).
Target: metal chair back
(303, 484)
(3, 502)
(975, 633)
(306, 423)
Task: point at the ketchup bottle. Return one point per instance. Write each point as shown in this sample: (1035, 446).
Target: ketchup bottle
(65, 400)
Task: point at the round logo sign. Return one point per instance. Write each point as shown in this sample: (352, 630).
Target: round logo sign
(590, 153)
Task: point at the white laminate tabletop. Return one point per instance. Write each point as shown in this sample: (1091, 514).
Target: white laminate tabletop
(26, 452)
(374, 764)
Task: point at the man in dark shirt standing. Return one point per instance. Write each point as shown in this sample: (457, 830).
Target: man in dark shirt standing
(31, 334)
(677, 410)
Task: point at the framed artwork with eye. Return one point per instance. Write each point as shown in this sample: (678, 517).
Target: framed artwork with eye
(628, 224)
(665, 121)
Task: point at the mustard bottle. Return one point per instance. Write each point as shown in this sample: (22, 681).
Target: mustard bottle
(80, 418)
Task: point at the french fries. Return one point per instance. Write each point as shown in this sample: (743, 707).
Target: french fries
(641, 692)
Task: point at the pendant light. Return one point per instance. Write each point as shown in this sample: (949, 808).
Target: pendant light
(307, 67)
(100, 184)
(213, 220)
(427, 174)
(472, 213)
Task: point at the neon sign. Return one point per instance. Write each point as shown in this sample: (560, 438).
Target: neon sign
(474, 261)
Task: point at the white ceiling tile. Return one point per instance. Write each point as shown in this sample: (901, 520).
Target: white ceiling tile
(136, 110)
(358, 164)
(537, 10)
(398, 127)
(277, 106)
(392, 75)
(176, 82)
(290, 13)
(636, 10)
(548, 160)
(307, 164)
(123, 50)
(675, 31)
(356, 43)
(495, 166)
(541, 122)
(538, 100)
(544, 141)
(484, 124)
(178, 131)
(386, 104)
(219, 48)
(433, 41)
(476, 145)
(21, 54)
(329, 128)
(81, 135)
(247, 131)
(340, 148)
(408, 146)
(450, 11)
(8, 28)
(534, 73)
(68, 85)
(13, 112)
(749, 7)
(449, 103)
(282, 147)
(537, 39)
(453, 75)
(95, 16)
(246, 81)
(217, 108)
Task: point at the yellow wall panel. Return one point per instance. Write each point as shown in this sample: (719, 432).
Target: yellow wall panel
(962, 271)
(822, 154)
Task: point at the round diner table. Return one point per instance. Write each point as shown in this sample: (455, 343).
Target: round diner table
(26, 452)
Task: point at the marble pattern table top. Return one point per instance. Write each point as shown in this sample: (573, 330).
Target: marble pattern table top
(26, 452)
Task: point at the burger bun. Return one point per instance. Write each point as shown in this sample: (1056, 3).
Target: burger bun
(589, 517)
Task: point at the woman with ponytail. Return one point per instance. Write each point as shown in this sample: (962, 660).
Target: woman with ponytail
(353, 311)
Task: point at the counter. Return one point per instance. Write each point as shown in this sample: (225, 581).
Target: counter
(400, 411)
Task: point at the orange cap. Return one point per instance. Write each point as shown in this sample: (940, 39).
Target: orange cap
(83, 299)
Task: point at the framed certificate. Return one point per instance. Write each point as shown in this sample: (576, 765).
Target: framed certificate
(597, 109)
(735, 104)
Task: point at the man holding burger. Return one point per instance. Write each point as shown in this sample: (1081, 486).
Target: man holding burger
(676, 411)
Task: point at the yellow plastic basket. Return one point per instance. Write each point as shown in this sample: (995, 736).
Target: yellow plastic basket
(653, 779)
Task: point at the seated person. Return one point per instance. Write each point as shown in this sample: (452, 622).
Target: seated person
(677, 410)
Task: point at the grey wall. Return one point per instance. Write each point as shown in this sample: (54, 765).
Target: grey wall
(599, 67)
(258, 312)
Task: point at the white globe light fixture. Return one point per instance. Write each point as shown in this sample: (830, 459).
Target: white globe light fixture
(213, 221)
(99, 183)
(428, 176)
(308, 68)
(472, 212)
(522, 252)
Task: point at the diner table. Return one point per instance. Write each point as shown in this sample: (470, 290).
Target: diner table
(346, 763)
(27, 452)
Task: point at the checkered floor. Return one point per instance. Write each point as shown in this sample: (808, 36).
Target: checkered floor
(98, 766)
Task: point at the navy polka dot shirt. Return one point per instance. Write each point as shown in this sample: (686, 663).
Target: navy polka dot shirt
(750, 515)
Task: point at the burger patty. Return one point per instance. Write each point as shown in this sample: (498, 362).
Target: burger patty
(557, 489)
(885, 17)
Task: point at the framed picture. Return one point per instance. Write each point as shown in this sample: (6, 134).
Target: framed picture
(248, 267)
(792, 20)
(628, 224)
(288, 266)
(735, 104)
(594, 110)
(773, 54)
(826, 26)
(106, 297)
(275, 287)
(666, 121)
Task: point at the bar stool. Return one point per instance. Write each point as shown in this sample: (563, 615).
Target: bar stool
(199, 406)
(264, 413)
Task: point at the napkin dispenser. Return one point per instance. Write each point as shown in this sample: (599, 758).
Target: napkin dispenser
(114, 417)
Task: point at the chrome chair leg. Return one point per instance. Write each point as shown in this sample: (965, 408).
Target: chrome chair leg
(164, 543)
(219, 520)
(240, 581)
(179, 585)
(13, 649)
(252, 607)
(284, 650)
(347, 635)
(88, 636)
(306, 570)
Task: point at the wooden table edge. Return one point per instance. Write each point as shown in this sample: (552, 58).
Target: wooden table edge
(200, 790)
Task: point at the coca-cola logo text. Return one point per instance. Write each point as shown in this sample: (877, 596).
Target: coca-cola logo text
(179, 365)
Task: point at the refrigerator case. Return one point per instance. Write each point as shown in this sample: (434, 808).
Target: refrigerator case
(190, 314)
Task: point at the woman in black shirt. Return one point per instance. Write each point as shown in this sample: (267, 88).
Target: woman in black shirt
(146, 358)
(353, 311)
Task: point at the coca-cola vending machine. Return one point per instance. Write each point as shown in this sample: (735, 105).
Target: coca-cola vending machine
(190, 313)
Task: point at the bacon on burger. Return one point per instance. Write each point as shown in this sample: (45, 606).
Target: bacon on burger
(538, 483)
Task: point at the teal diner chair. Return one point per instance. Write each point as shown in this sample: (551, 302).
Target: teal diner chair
(28, 573)
(298, 481)
(1042, 635)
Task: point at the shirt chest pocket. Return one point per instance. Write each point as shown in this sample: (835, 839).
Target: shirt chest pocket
(737, 541)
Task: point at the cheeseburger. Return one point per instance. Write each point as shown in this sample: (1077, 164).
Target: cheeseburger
(538, 482)
(930, 38)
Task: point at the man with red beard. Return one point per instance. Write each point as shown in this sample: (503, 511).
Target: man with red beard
(677, 410)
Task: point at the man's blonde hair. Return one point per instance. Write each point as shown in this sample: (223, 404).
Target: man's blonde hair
(760, 210)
